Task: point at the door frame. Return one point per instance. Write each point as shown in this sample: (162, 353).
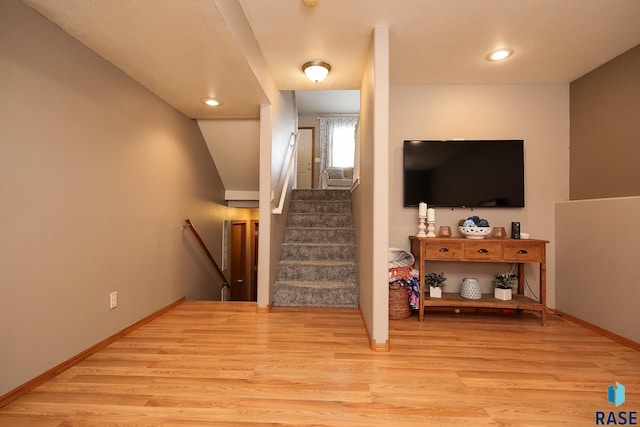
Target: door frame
(253, 276)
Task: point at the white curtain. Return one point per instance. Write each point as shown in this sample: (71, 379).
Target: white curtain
(327, 127)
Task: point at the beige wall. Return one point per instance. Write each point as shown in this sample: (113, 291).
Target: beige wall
(370, 197)
(96, 178)
(597, 274)
(539, 114)
(605, 130)
(597, 242)
(277, 124)
(264, 245)
(283, 127)
(234, 146)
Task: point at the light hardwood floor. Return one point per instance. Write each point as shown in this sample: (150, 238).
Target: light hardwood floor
(223, 364)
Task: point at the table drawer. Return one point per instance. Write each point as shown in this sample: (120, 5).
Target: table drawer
(482, 251)
(522, 252)
(449, 250)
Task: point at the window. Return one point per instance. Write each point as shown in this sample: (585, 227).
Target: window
(343, 146)
(337, 142)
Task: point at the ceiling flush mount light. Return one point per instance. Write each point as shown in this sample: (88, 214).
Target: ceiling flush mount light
(310, 3)
(212, 102)
(316, 71)
(499, 55)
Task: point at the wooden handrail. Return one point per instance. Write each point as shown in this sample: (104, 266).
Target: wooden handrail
(206, 251)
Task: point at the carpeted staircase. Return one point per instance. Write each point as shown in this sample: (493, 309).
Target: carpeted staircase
(318, 259)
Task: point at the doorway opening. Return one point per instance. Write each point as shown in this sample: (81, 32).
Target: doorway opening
(305, 170)
(243, 260)
(238, 261)
(329, 118)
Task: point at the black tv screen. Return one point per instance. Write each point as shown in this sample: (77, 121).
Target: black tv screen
(464, 173)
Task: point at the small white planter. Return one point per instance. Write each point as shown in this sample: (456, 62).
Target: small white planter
(435, 292)
(503, 294)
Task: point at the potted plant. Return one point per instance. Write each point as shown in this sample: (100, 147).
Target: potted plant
(504, 283)
(436, 283)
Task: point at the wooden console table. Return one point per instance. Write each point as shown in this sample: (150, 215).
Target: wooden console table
(486, 250)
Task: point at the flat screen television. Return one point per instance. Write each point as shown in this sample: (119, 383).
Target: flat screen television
(464, 173)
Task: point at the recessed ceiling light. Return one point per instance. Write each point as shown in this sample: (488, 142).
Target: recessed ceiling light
(212, 102)
(499, 54)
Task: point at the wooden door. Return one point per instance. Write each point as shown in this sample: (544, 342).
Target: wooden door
(238, 261)
(255, 229)
(304, 161)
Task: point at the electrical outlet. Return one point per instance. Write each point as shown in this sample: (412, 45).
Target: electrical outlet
(113, 300)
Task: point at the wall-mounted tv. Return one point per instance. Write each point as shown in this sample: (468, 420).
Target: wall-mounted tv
(464, 173)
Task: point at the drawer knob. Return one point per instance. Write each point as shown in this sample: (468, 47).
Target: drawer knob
(483, 251)
(443, 250)
(522, 252)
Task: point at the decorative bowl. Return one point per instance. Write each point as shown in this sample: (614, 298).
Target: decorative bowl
(475, 232)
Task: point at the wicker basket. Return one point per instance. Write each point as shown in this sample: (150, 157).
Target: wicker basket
(398, 302)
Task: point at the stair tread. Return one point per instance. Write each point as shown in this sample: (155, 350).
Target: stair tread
(317, 283)
(309, 262)
(317, 244)
(323, 214)
(322, 200)
(326, 215)
(303, 201)
(334, 201)
(345, 214)
(318, 228)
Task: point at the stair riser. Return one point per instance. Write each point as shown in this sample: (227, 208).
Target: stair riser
(309, 206)
(318, 220)
(347, 297)
(319, 235)
(310, 252)
(320, 195)
(343, 273)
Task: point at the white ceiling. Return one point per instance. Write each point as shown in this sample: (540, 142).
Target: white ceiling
(310, 102)
(186, 50)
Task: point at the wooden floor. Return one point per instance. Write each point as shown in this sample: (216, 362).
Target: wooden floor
(218, 364)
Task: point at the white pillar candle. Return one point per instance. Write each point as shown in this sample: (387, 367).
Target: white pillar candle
(422, 210)
(431, 215)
